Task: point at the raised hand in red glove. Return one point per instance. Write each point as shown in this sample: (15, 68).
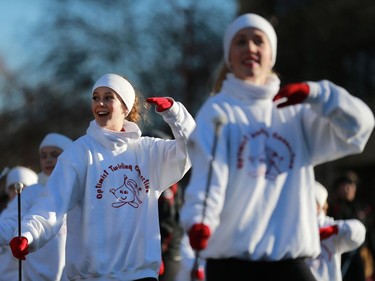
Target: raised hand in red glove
(19, 247)
(292, 94)
(328, 231)
(162, 104)
(198, 236)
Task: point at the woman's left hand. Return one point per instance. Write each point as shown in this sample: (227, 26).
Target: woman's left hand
(292, 94)
(161, 103)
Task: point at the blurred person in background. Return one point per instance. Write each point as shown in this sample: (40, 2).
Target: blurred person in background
(171, 231)
(336, 237)
(358, 264)
(19, 174)
(40, 265)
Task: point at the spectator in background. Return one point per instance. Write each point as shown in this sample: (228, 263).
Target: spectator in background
(171, 231)
(336, 237)
(26, 176)
(19, 174)
(357, 265)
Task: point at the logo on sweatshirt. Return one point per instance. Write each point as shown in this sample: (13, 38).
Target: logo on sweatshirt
(265, 153)
(130, 191)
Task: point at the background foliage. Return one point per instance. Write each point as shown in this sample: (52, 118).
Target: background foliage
(172, 48)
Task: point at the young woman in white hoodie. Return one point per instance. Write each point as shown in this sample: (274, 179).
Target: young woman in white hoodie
(257, 216)
(108, 184)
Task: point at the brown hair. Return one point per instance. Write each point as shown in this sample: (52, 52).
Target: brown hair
(138, 114)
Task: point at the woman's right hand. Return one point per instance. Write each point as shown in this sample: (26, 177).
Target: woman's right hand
(199, 234)
(19, 247)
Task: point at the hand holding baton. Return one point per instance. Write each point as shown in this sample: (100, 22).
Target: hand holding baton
(18, 187)
(219, 121)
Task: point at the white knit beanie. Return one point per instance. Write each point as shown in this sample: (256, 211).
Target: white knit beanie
(120, 85)
(245, 21)
(20, 174)
(57, 140)
(321, 194)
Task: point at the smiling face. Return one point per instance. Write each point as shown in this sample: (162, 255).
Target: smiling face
(250, 56)
(108, 109)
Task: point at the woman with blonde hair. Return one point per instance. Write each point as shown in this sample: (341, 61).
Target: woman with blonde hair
(256, 216)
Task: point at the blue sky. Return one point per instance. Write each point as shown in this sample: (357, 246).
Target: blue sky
(19, 16)
(16, 17)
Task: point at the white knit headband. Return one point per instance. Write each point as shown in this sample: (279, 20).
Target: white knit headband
(20, 174)
(120, 85)
(57, 140)
(245, 21)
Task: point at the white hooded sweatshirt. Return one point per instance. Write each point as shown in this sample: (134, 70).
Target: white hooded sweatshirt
(109, 183)
(261, 203)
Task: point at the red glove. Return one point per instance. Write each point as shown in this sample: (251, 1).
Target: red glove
(198, 236)
(162, 104)
(328, 231)
(292, 93)
(19, 247)
(161, 269)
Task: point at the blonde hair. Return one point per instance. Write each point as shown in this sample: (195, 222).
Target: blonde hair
(219, 77)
